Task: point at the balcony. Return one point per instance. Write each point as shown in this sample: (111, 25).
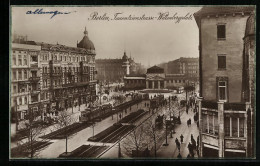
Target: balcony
(34, 65)
(35, 91)
(227, 106)
(55, 74)
(34, 79)
(235, 106)
(55, 61)
(209, 104)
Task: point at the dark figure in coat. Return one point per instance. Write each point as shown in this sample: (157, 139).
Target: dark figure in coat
(181, 137)
(190, 148)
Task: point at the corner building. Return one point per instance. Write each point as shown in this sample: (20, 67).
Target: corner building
(47, 78)
(225, 113)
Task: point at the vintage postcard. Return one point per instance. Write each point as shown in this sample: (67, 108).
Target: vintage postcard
(132, 82)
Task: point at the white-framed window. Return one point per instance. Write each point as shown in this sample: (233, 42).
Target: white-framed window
(19, 60)
(25, 74)
(25, 60)
(222, 90)
(234, 126)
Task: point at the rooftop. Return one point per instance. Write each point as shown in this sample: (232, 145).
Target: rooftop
(213, 10)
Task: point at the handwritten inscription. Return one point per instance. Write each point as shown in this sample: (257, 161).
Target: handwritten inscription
(53, 13)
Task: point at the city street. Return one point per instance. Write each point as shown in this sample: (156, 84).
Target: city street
(81, 137)
(171, 151)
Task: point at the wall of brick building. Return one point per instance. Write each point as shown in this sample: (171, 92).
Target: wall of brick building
(232, 47)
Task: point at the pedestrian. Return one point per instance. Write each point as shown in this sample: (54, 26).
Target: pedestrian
(181, 137)
(193, 142)
(187, 109)
(177, 143)
(179, 156)
(190, 148)
(191, 137)
(198, 139)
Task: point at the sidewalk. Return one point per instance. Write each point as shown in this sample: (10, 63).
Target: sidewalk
(80, 138)
(171, 151)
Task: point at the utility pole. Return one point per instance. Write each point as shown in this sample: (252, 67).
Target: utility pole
(119, 148)
(170, 116)
(166, 142)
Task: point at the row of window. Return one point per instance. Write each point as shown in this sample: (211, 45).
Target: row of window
(21, 100)
(135, 81)
(233, 126)
(192, 64)
(67, 58)
(176, 81)
(20, 52)
(60, 69)
(21, 62)
(22, 74)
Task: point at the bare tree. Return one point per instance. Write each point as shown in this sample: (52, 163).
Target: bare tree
(64, 120)
(28, 146)
(153, 133)
(136, 140)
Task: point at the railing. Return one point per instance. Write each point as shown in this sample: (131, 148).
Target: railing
(34, 79)
(55, 61)
(227, 106)
(34, 65)
(56, 74)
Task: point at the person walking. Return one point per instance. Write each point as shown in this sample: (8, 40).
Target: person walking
(178, 144)
(191, 137)
(181, 137)
(189, 148)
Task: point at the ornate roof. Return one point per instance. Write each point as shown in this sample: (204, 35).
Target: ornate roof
(85, 42)
(63, 48)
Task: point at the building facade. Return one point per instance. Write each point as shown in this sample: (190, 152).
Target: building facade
(223, 113)
(24, 80)
(187, 66)
(155, 78)
(112, 70)
(47, 78)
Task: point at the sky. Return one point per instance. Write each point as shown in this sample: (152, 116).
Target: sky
(149, 42)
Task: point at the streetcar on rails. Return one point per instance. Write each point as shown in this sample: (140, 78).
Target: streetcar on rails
(97, 114)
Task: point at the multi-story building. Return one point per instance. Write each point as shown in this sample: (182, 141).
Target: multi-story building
(52, 77)
(226, 64)
(112, 70)
(24, 78)
(187, 66)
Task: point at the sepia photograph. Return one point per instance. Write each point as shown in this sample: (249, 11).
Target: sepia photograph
(132, 82)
